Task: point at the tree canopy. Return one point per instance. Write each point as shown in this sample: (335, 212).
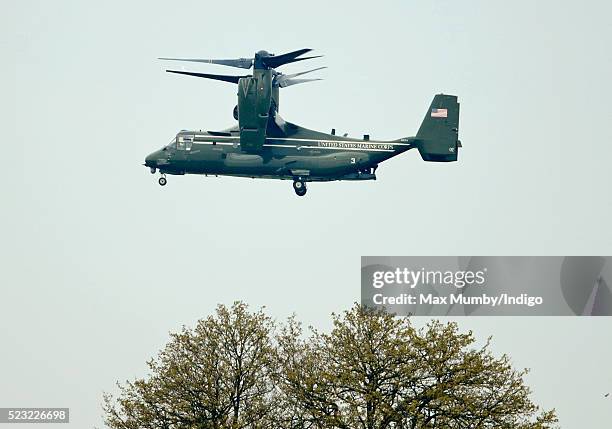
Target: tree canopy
(239, 369)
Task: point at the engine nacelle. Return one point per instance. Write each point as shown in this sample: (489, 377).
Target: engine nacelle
(254, 95)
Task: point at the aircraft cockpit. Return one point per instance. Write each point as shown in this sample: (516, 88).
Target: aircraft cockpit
(171, 145)
(181, 142)
(184, 141)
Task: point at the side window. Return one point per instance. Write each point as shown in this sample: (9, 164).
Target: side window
(180, 143)
(184, 142)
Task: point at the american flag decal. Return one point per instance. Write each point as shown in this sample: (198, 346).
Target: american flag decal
(439, 113)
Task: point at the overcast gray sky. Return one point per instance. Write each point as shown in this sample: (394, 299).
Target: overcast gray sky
(98, 262)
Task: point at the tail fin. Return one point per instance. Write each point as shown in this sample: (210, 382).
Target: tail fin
(437, 139)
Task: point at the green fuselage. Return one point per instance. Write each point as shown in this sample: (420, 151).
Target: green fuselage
(297, 153)
(263, 145)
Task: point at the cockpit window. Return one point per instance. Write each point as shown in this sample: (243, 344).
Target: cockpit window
(184, 142)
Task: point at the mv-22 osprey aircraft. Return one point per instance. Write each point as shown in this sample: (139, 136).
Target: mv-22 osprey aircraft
(263, 145)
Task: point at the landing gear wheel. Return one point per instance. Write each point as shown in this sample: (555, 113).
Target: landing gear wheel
(162, 181)
(299, 187)
(153, 170)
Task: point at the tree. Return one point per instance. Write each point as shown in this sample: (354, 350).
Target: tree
(372, 371)
(217, 375)
(375, 371)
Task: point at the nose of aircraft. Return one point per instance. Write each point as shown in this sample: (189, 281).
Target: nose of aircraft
(151, 160)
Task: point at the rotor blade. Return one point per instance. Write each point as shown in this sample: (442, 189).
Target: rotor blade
(301, 73)
(280, 79)
(288, 82)
(242, 63)
(289, 57)
(301, 59)
(224, 78)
